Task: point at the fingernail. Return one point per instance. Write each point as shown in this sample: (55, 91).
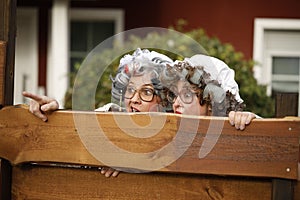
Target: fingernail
(115, 174)
(44, 108)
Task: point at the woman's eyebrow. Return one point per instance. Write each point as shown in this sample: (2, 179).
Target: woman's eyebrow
(147, 85)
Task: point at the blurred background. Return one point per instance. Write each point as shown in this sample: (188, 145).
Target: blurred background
(260, 40)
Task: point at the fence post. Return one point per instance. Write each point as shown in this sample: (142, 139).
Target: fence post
(7, 60)
(286, 104)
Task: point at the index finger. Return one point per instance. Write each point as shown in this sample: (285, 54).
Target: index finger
(35, 97)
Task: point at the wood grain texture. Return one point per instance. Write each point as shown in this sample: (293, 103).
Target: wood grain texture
(2, 70)
(62, 184)
(286, 104)
(8, 15)
(268, 147)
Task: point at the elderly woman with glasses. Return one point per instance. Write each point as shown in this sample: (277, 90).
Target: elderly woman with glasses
(205, 86)
(136, 83)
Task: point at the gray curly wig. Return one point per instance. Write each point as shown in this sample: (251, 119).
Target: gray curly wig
(141, 62)
(208, 90)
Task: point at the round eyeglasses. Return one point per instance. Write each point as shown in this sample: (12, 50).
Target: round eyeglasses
(185, 95)
(145, 93)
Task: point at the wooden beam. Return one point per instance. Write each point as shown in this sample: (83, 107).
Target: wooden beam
(286, 105)
(267, 148)
(8, 35)
(282, 189)
(2, 71)
(42, 182)
(7, 58)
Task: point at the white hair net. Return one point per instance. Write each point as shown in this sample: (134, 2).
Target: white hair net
(218, 71)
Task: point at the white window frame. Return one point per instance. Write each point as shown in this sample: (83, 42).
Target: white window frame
(262, 74)
(58, 54)
(270, 55)
(88, 14)
(57, 58)
(26, 57)
(260, 26)
(95, 14)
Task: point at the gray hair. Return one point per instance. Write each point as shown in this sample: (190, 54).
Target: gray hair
(141, 62)
(208, 89)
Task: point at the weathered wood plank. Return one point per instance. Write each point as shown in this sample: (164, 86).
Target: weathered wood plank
(286, 104)
(268, 147)
(8, 34)
(282, 189)
(2, 71)
(7, 52)
(5, 179)
(66, 183)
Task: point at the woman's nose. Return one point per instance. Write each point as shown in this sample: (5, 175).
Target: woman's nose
(176, 102)
(136, 98)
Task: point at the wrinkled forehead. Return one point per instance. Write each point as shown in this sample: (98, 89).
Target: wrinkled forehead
(138, 81)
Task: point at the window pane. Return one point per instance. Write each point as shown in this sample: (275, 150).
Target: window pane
(278, 86)
(286, 65)
(285, 74)
(85, 36)
(102, 31)
(78, 36)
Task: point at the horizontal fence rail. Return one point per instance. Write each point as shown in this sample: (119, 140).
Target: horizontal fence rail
(204, 145)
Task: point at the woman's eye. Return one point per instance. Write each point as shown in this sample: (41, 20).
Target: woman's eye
(172, 95)
(188, 94)
(130, 90)
(147, 92)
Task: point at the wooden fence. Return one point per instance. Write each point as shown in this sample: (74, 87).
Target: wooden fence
(58, 159)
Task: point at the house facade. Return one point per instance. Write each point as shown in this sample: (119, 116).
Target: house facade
(52, 35)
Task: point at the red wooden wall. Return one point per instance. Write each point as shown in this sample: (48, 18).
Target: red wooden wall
(230, 20)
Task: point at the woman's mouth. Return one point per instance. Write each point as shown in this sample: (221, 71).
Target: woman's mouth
(134, 110)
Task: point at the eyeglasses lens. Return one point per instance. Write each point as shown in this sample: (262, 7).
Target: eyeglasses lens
(145, 93)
